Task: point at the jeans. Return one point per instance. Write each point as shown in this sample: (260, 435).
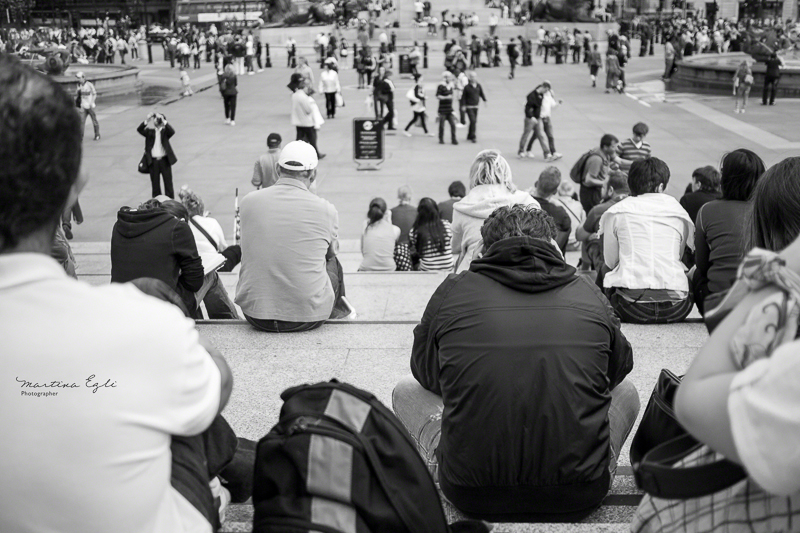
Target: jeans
(388, 119)
(161, 168)
(447, 117)
(330, 104)
(547, 127)
(340, 309)
(218, 303)
(307, 134)
(538, 134)
(230, 106)
(90, 112)
(472, 114)
(770, 86)
(649, 312)
(420, 411)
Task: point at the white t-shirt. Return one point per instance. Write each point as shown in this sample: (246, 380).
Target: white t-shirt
(208, 254)
(81, 460)
(764, 408)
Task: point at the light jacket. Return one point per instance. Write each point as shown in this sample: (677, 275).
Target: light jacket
(302, 110)
(470, 212)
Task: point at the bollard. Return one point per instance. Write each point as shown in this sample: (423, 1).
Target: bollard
(355, 55)
(425, 54)
(394, 42)
(267, 59)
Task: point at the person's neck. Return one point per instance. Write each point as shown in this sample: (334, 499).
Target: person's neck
(40, 242)
(620, 195)
(404, 202)
(545, 197)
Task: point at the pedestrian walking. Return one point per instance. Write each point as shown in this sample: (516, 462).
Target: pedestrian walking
(595, 64)
(444, 93)
(85, 100)
(329, 85)
(227, 87)
(416, 96)
(389, 122)
(771, 78)
(549, 102)
(513, 54)
(304, 111)
(612, 71)
(186, 83)
(470, 99)
(158, 154)
(742, 82)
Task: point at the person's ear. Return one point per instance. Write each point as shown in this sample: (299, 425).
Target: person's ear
(312, 176)
(661, 188)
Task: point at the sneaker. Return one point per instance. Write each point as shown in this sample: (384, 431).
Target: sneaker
(441, 141)
(261, 70)
(227, 121)
(97, 137)
(407, 134)
(250, 73)
(555, 156)
(531, 155)
(233, 122)
(352, 315)
(522, 155)
(736, 110)
(742, 111)
(460, 125)
(548, 158)
(430, 135)
(455, 142)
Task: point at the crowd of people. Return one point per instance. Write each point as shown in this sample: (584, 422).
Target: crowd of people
(646, 258)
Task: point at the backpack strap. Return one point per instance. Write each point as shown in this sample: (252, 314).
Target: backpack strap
(204, 232)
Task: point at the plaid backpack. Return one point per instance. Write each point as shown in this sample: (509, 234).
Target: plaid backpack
(339, 461)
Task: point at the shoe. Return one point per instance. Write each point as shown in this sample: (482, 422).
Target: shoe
(441, 141)
(352, 315)
(233, 122)
(430, 135)
(555, 156)
(261, 70)
(522, 155)
(454, 142)
(250, 73)
(531, 155)
(321, 156)
(763, 103)
(474, 140)
(772, 103)
(97, 137)
(407, 134)
(227, 121)
(548, 158)
(460, 125)
(736, 110)
(594, 84)
(742, 111)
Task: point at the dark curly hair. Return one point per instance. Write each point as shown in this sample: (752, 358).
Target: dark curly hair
(517, 221)
(40, 151)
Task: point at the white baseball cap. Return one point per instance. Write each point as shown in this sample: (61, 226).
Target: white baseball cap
(298, 155)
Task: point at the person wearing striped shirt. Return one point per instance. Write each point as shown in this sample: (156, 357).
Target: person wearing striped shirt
(634, 148)
(430, 238)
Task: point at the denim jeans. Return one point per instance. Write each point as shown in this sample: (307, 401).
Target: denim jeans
(531, 132)
(472, 114)
(649, 312)
(547, 129)
(420, 411)
(91, 113)
(218, 303)
(452, 120)
(336, 275)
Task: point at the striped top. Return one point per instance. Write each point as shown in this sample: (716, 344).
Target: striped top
(628, 150)
(431, 258)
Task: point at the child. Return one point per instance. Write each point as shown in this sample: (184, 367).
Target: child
(187, 83)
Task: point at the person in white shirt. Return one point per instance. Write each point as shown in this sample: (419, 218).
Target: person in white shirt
(330, 87)
(304, 111)
(87, 95)
(114, 412)
(644, 238)
(546, 123)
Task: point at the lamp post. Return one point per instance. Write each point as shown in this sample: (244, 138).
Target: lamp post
(147, 36)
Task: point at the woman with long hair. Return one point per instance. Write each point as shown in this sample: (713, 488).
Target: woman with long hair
(491, 186)
(430, 238)
(378, 238)
(742, 82)
(719, 229)
(330, 86)
(417, 106)
(227, 87)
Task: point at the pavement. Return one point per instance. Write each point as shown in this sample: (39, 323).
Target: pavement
(686, 130)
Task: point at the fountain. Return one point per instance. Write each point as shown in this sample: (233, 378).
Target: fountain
(108, 79)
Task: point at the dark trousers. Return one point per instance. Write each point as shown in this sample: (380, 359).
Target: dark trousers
(230, 106)
(336, 275)
(590, 197)
(418, 115)
(649, 312)
(309, 135)
(199, 459)
(196, 60)
(388, 120)
(472, 114)
(770, 85)
(448, 117)
(330, 104)
(161, 168)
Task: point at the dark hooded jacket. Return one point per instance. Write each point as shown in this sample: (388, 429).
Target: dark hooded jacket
(154, 244)
(524, 353)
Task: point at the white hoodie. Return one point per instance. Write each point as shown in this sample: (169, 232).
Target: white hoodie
(470, 212)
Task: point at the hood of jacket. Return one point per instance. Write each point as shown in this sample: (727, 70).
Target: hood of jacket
(482, 200)
(525, 264)
(132, 223)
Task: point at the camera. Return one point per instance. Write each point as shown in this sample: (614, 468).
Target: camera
(160, 120)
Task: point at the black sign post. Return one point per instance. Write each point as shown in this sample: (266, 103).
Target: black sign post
(368, 143)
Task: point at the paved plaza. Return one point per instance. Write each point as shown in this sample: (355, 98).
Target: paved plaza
(687, 131)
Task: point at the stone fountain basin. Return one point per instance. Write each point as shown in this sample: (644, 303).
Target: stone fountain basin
(108, 80)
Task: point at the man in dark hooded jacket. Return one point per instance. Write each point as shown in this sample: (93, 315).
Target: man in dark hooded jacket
(517, 400)
(148, 242)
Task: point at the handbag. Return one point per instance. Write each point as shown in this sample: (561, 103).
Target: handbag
(661, 441)
(144, 168)
(339, 100)
(748, 79)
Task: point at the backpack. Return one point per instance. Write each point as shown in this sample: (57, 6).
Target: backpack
(339, 461)
(223, 83)
(577, 171)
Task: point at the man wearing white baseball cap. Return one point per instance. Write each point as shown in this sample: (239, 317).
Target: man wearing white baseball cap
(290, 279)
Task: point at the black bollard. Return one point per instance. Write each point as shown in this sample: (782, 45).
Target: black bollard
(425, 54)
(394, 42)
(267, 59)
(355, 55)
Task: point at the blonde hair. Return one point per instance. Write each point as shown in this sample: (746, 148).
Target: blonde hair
(491, 168)
(193, 203)
(229, 68)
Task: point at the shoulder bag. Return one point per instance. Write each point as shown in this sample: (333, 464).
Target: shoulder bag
(143, 167)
